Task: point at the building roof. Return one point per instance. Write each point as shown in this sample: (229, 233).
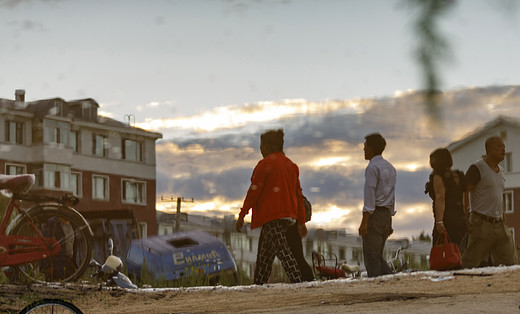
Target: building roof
(81, 101)
(71, 109)
(41, 108)
(6, 102)
(500, 120)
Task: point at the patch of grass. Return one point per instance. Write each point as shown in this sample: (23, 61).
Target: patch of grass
(3, 279)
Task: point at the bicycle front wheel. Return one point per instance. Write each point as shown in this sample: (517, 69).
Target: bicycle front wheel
(51, 306)
(70, 229)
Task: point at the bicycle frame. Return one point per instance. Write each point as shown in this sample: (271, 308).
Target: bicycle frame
(16, 250)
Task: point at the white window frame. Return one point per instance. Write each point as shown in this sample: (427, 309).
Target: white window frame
(136, 154)
(79, 186)
(86, 110)
(507, 163)
(55, 131)
(17, 137)
(143, 229)
(50, 171)
(124, 198)
(508, 197)
(104, 144)
(106, 189)
(20, 166)
(74, 144)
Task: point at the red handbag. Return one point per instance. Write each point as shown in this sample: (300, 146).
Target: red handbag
(444, 256)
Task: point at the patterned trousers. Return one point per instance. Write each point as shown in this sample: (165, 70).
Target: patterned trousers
(273, 242)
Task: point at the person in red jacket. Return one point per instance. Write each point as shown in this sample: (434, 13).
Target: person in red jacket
(276, 200)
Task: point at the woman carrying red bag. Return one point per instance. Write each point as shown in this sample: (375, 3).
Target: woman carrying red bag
(446, 187)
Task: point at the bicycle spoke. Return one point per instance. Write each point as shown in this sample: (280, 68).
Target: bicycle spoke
(73, 236)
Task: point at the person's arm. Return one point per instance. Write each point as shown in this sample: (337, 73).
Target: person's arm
(363, 228)
(369, 198)
(302, 229)
(239, 224)
(253, 193)
(300, 210)
(472, 177)
(440, 203)
(465, 202)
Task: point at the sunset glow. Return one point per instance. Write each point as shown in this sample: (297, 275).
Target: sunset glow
(216, 166)
(235, 116)
(325, 216)
(410, 166)
(199, 207)
(329, 161)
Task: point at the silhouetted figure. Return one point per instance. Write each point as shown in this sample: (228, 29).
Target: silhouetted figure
(446, 188)
(378, 208)
(488, 232)
(275, 197)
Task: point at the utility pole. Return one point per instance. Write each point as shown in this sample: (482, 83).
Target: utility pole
(178, 213)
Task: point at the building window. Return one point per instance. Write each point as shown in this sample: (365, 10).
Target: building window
(13, 169)
(52, 176)
(58, 108)
(56, 177)
(75, 183)
(143, 230)
(56, 132)
(356, 255)
(14, 132)
(308, 248)
(507, 163)
(342, 254)
(74, 141)
(86, 109)
(100, 187)
(132, 150)
(133, 191)
(100, 145)
(507, 201)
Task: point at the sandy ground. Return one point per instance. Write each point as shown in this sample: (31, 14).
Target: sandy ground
(483, 290)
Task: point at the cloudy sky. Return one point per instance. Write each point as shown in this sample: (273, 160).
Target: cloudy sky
(212, 75)
(325, 140)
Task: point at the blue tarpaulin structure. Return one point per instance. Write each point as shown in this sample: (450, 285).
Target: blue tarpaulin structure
(173, 256)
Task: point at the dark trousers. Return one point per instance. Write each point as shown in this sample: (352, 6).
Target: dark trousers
(379, 228)
(273, 242)
(295, 243)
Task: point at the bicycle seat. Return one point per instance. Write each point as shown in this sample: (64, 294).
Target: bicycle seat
(17, 184)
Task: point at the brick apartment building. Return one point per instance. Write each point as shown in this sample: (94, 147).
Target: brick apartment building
(109, 165)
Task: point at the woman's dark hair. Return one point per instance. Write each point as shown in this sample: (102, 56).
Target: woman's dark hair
(441, 160)
(273, 138)
(377, 142)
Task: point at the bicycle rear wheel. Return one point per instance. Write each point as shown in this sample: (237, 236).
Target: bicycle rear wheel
(72, 232)
(51, 306)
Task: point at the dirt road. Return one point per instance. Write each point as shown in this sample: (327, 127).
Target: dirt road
(484, 290)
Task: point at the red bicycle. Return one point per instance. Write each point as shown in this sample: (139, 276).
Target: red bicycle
(48, 240)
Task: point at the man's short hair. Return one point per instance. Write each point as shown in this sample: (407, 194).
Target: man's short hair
(377, 142)
(273, 138)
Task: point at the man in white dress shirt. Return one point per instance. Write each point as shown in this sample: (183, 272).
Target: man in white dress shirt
(378, 207)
